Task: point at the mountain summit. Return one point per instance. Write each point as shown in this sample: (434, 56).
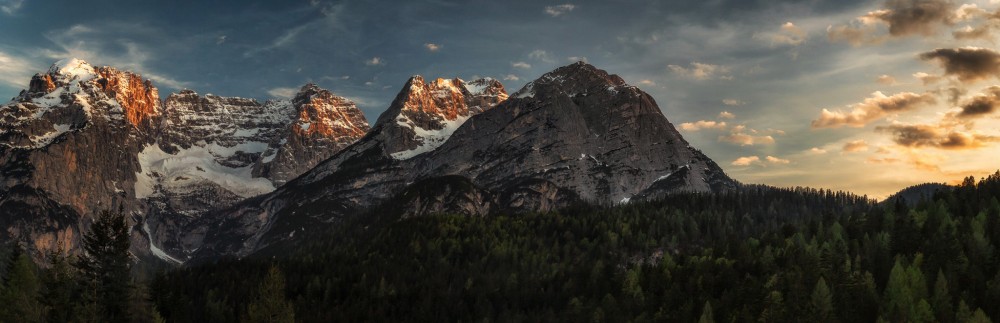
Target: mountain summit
(576, 134)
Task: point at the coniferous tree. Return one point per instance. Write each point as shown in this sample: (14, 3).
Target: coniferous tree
(822, 301)
(270, 305)
(58, 288)
(706, 314)
(941, 301)
(104, 268)
(19, 297)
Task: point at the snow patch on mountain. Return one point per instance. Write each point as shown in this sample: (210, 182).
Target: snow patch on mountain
(429, 139)
(183, 170)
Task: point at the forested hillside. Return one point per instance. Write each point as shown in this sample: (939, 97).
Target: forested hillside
(762, 254)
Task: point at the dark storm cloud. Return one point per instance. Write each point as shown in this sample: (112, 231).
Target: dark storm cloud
(902, 18)
(969, 64)
(982, 104)
(908, 17)
(935, 136)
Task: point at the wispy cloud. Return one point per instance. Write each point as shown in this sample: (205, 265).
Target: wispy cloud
(559, 10)
(16, 71)
(521, 65)
(283, 92)
(432, 47)
(374, 61)
(10, 7)
(856, 146)
(540, 55)
(702, 71)
(92, 43)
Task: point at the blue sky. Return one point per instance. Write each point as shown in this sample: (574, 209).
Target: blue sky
(765, 68)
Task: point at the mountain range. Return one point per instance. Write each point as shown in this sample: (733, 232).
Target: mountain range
(203, 176)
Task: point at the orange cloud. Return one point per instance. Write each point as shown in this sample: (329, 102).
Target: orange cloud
(856, 146)
(746, 161)
(871, 109)
(703, 124)
(738, 135)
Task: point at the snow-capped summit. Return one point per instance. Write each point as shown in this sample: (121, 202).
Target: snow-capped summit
(73, 67)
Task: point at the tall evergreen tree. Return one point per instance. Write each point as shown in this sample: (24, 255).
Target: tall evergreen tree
(58, 288)
(821, 301)
(270, 304)
(19, 297)
(706, 314)
(941, 301)
(105, 267)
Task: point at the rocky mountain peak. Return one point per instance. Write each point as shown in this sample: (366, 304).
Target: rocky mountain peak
(325, 115)
(574, 79)
(424, 114)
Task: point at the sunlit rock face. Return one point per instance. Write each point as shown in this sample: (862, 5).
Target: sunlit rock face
(84, 139)
(576, 134)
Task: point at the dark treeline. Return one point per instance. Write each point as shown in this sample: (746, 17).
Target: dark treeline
(763, 254)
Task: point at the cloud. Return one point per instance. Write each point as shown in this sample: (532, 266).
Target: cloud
(220, 40)
(559, 10)
(982, 104)
(776, 160)
(746, 161)
(10, 7)
(703, 124)
(886, 80)
(738, 135)
(374, 61)
(914, 17)
(511, 77)
(701, 71)
(15, 71)
(540, 55)
(925, 78)
(726, 115)
(856, 36)
(732, 102)
(92, 43)
(856, 146)
(980, 32)
(901, 18)
(871, 109)
(574, 59)
(522, 65)
(935, 136)
(969, 64)
(789, 34)
(283, 92)
(432, 47)
(817, 151)
(647, 82)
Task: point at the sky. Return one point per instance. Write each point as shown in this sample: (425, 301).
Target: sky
(864, 96)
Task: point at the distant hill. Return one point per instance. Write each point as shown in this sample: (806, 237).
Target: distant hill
(917, 193)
